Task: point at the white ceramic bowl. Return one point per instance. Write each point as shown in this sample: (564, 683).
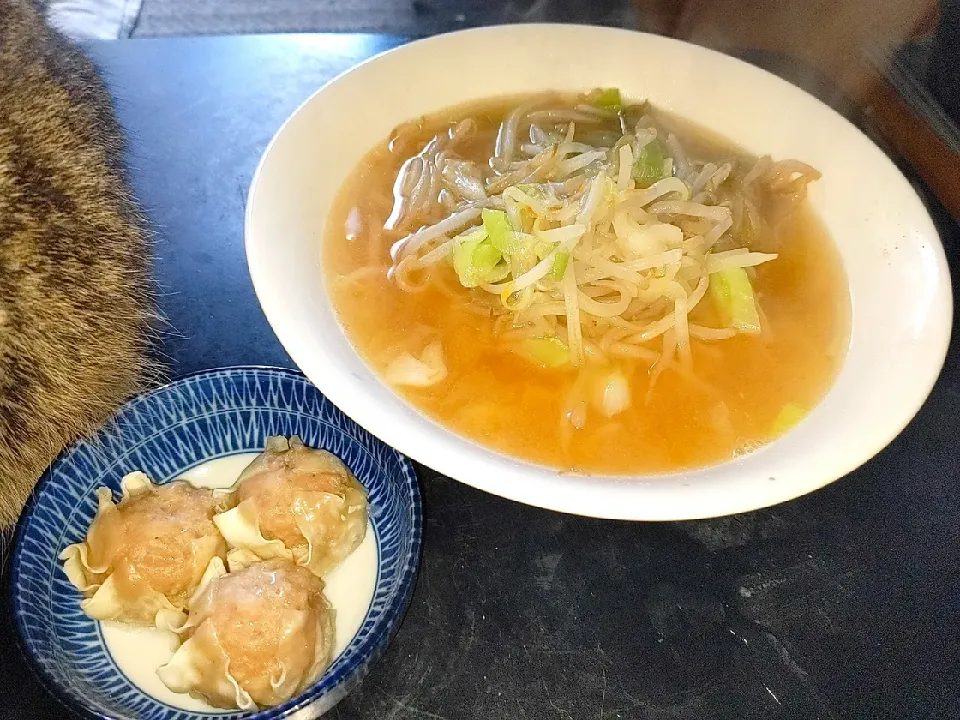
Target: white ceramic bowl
(898, 277)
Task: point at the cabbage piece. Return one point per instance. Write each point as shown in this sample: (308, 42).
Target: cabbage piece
(608, 99)
(255, 637)
(427, 370)
(637, 241)
(143, 558)
(733, 298)
(611, 395)
(788, 416)
(474, 258)
(502, 235)
(297, 504)
(648, 167)
(549, 352)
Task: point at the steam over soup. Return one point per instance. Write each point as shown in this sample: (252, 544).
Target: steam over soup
(588, 284)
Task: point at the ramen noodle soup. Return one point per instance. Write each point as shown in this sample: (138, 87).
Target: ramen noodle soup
(589, 284)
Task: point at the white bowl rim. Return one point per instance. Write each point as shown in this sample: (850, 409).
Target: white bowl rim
(649, 498)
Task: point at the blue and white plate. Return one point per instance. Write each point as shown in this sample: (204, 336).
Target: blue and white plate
(165, 433)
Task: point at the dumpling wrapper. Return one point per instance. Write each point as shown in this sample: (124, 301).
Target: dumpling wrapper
(143, 558)
(299, 504)
(254, 638)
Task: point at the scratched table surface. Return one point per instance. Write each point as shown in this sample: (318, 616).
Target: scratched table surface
(842, 604)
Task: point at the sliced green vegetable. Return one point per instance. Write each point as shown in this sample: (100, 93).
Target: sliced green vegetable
(499, 273)
(733, 298)
(500, 232)
(648, 168)
(475, 259)
(560, 264)
(477, 232)
(471, 235)
(608, 99)
(549, 352)
(542, 248)
(788, 416)
(485, 258)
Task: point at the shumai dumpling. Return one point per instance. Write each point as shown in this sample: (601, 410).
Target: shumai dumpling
(296, 503)
(255, 637)
(144, 557)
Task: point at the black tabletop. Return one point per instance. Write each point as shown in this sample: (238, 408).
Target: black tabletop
(842, 604)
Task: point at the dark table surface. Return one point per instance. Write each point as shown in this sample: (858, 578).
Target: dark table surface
(842, 604)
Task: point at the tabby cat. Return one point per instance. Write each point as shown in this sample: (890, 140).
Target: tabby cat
(76, 308)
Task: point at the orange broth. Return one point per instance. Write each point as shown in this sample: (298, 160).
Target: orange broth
(729, 405)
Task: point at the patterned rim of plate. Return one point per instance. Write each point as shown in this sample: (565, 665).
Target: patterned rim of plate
(348, 668)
